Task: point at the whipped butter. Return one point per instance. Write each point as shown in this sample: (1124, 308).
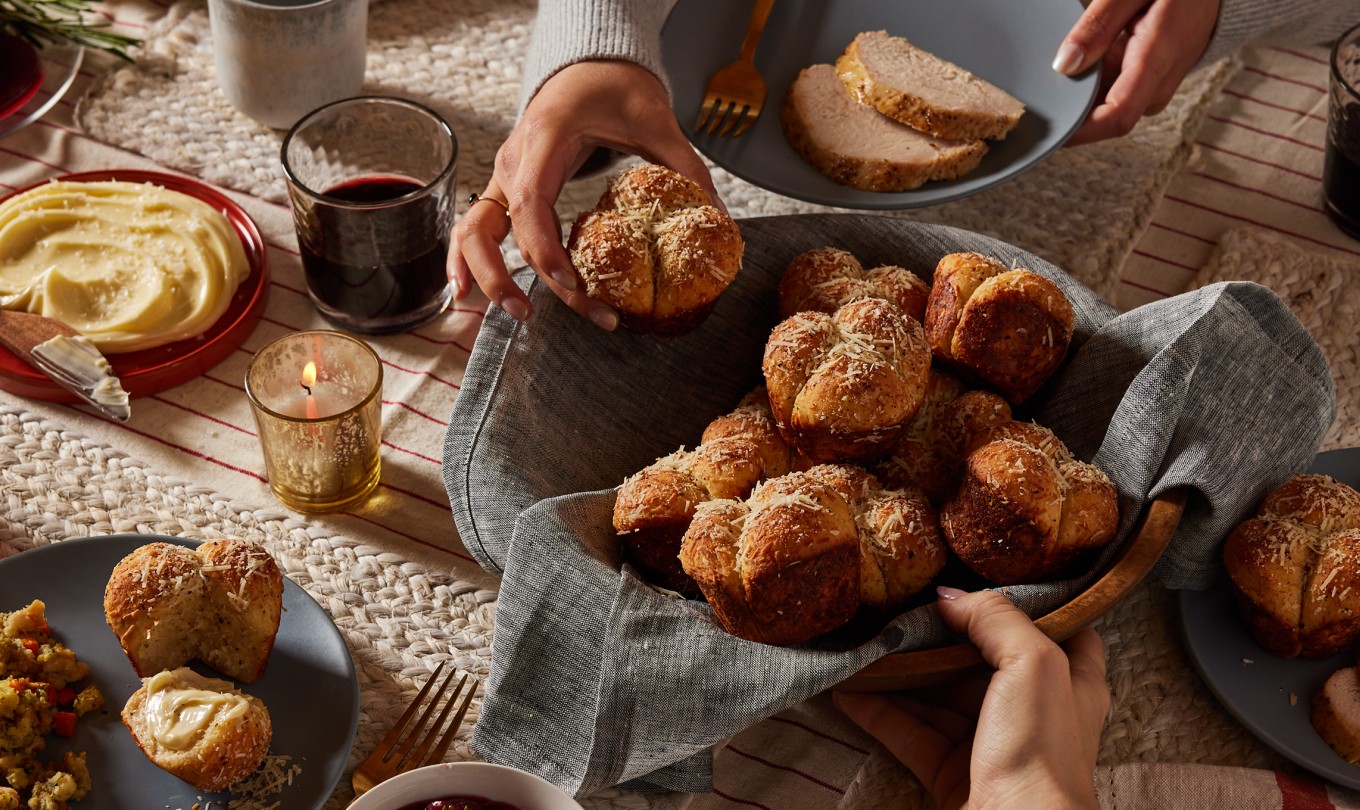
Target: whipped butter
(181, 705)
(77, 364)
(128, 265)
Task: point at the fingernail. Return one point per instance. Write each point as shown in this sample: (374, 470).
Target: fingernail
(515, 308)
(564, 278)
(949, 594)
(457, 287)
(1069, 58)
(605, 318)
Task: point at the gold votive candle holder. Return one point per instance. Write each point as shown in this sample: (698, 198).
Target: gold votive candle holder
(317, 401)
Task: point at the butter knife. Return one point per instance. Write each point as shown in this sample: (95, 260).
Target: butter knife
(68, 358)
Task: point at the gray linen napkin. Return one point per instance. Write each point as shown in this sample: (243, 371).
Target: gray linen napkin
(599, 679)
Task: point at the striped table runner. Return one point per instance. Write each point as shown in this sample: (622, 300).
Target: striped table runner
(1257, 164)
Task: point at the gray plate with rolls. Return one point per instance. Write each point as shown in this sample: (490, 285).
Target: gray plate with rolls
(1270, 695)
(309, 686)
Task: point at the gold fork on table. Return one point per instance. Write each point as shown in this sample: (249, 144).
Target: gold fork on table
(736, 93)
(393, 754)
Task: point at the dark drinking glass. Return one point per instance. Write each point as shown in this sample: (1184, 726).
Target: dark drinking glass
(371, 180)
(1341, 164)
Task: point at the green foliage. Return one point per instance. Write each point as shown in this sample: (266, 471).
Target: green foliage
(53, 21)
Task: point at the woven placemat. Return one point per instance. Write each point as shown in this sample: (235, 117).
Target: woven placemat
(1161, 711)
(1081, 209)
(398, 618)
(461, 59)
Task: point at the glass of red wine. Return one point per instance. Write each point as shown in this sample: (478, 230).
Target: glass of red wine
(1341, 160)
(21, 73)
(371, 180)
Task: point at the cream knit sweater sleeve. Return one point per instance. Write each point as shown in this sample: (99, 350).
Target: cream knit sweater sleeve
(1306, 21)
(569, 31)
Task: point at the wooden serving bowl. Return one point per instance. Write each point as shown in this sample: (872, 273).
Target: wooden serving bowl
(1129, 567)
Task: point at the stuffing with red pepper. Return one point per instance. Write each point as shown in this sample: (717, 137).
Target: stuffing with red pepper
(39, 677)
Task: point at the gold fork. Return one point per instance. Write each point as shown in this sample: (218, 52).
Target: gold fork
(736, 93)
(394, 755)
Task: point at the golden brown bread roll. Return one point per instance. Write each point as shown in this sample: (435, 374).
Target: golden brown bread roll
(901, 549)
(219, 603)
(654, 507)
(1026, 506)
(1008, 328)
(1295, 568)
(203, 730)
(783, 566)
(844, 386)
(656, 250)
(826, 279)
(800, 556)
(929, 454)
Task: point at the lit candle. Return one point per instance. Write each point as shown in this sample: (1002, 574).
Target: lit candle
(316, 399)
(307, 381)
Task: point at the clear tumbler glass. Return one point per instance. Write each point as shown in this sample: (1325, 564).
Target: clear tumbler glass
(371, 180)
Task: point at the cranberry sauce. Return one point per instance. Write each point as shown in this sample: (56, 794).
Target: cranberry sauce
(461, 803)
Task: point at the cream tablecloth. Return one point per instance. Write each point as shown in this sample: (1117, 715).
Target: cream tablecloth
(1223, 185)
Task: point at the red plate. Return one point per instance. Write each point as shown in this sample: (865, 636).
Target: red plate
(150, 371)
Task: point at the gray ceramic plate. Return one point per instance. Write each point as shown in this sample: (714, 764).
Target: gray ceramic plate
(1010, 46)
(310, 685)
(1257, 686)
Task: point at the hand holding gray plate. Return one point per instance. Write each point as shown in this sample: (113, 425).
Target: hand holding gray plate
(1009, 46)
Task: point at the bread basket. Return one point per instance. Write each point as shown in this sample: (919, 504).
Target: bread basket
(554, 414)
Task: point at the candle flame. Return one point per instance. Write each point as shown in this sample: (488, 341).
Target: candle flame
(308, 375)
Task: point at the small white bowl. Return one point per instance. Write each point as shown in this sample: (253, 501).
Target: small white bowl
(498, 782)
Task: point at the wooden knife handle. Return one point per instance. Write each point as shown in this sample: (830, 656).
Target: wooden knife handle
(21, 331)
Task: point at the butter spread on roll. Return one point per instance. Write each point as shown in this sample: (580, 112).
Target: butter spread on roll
(130, 266)
(181, 705)
(203, 730)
